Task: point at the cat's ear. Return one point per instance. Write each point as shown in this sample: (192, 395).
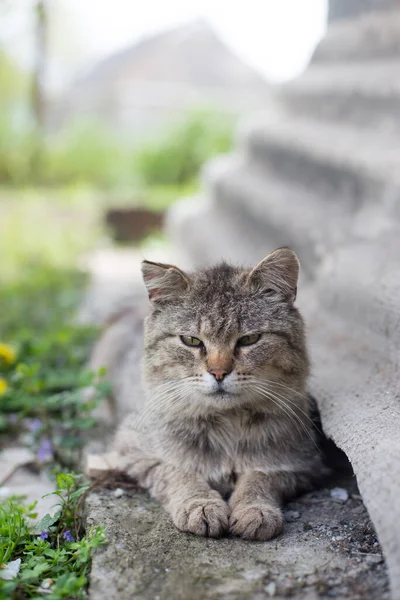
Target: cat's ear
(278, 272)
(164, 282)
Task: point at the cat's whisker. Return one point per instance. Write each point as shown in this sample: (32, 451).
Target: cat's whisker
(282, 403)
(267, 384)
(283, 399)
(164, 399)
(278, 403)
(292, 390)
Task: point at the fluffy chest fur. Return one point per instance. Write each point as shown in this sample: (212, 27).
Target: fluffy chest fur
(220, 446)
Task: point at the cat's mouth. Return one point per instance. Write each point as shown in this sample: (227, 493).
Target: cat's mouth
(221, 393)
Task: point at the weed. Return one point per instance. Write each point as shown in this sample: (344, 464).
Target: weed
(51, 557)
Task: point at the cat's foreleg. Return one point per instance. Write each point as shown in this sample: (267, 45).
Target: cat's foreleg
(256, 503)
(193, 505)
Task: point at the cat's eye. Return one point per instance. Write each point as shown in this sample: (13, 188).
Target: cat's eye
(189, 340)
(248, 340)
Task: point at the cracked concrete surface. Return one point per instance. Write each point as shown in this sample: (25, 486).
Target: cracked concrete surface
(328, 549)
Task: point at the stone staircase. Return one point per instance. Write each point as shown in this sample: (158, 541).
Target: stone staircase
(320, 172)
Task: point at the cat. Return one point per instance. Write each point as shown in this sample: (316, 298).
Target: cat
(221, 434)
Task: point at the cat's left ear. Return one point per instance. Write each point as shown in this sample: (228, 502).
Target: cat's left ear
(164, 282)
(279, 272)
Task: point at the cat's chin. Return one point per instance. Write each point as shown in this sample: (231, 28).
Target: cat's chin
(222, 399)
(221, 394)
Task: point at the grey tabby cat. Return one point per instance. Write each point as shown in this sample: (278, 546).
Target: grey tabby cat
(222, 434)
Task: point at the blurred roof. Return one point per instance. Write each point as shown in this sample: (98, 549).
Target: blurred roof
(191, 54)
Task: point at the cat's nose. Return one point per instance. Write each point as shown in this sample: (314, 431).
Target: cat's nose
(219, 374)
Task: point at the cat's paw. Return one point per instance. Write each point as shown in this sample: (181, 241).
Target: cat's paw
(256, 521)
(203, 516)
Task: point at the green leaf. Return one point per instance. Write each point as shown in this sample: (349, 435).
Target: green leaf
(36, 572)
(47, 521)
(78, 493)
(65, 481)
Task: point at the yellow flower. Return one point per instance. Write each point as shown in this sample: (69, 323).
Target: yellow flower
(3, 386)
(7, 353)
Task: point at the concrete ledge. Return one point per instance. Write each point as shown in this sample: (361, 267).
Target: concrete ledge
(327, 549)
(354, 327)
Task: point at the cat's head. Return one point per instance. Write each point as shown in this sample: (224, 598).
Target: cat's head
(224, 336)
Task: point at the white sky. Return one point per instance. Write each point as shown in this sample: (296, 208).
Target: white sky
(274, 36)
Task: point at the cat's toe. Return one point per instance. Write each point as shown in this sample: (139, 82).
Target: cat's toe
(208, 518)
(256, 522)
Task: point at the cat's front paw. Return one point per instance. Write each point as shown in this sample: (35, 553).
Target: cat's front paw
(203, 516)
(256, 521)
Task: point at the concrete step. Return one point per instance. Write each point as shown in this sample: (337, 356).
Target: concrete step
(343, 9)
(329, 159)
(285, 213)
(361, 94)
(373, 35)
(203, 233)
(247, 211)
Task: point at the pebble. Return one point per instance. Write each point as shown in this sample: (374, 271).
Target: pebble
(292, 515)
(270, 589)
(46, 585)
(339, 495)
(118, 492)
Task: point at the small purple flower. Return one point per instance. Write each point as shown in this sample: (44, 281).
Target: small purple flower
(33, 424)
(45, 451)
(68, 536)
(44, 535)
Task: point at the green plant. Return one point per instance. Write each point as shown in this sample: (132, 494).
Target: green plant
(86, 152)
(177, 157)
(51, 557)
(44, 400)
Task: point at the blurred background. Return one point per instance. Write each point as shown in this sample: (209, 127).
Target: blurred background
(109, 110)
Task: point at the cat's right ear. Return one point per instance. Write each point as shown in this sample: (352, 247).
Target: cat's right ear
(164, 282)
(279, 271)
